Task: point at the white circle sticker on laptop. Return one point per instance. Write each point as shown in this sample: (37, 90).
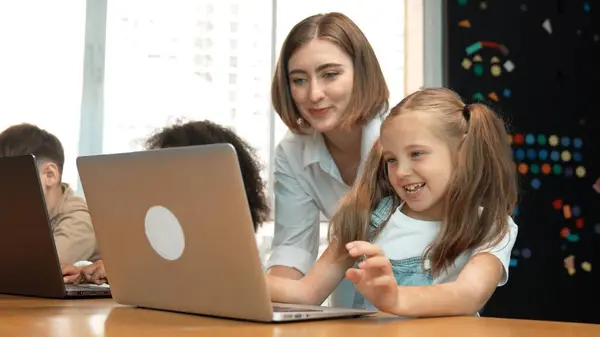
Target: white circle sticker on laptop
(164, 233)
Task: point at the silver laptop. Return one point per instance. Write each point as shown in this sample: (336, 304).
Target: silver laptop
(176, 234)
(28, 258)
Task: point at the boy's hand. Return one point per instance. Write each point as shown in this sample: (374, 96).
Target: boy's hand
(71, 274)
(94, 273)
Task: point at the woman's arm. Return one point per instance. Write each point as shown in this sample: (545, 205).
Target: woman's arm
(318, 283)
(285, 272)
(296, 240)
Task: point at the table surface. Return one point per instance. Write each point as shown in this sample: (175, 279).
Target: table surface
(26, 316)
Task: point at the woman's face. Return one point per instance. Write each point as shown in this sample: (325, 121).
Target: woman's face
(321, 77)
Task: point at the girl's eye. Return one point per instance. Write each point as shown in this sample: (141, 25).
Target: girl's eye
(416, 154)
(390, 160)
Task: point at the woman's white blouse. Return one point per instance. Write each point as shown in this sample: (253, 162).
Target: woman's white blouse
(307, 182)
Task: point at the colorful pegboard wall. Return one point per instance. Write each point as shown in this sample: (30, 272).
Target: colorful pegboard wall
(540, 157)
(536, 63)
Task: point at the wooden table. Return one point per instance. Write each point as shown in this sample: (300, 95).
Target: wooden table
(22, 316)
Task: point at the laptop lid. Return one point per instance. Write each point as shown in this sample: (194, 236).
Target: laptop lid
(175, 230)
(28, 257)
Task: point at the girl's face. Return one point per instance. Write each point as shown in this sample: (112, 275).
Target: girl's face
(419, 164)
(321, 81)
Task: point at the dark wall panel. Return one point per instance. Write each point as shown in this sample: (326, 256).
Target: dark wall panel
(538, 64)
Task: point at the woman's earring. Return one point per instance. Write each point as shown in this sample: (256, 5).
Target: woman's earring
(300, 121)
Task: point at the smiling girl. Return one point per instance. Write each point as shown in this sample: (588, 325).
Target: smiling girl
(426, 230)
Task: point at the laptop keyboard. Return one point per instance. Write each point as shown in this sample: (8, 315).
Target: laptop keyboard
(82, 287)
(288, 309)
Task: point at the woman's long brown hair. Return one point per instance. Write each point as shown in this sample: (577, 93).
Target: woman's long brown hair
(480, 196)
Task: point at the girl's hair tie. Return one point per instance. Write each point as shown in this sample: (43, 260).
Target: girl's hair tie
(466, 112)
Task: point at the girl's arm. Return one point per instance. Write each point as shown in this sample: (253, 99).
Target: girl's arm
(319, 282)
(486, 269)
(465, 296)
(375, 281)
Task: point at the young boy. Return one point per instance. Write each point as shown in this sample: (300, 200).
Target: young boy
(69, 217)
(189, 134)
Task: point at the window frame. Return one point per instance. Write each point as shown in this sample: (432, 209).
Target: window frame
(91, 129)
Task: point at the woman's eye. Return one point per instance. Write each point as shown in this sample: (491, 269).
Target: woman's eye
(331, 75)
(298, 81)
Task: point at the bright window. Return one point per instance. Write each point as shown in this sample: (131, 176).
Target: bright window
(168, 60)
(41, 67)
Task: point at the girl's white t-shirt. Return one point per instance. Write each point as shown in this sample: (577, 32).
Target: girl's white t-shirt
(404, 237)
